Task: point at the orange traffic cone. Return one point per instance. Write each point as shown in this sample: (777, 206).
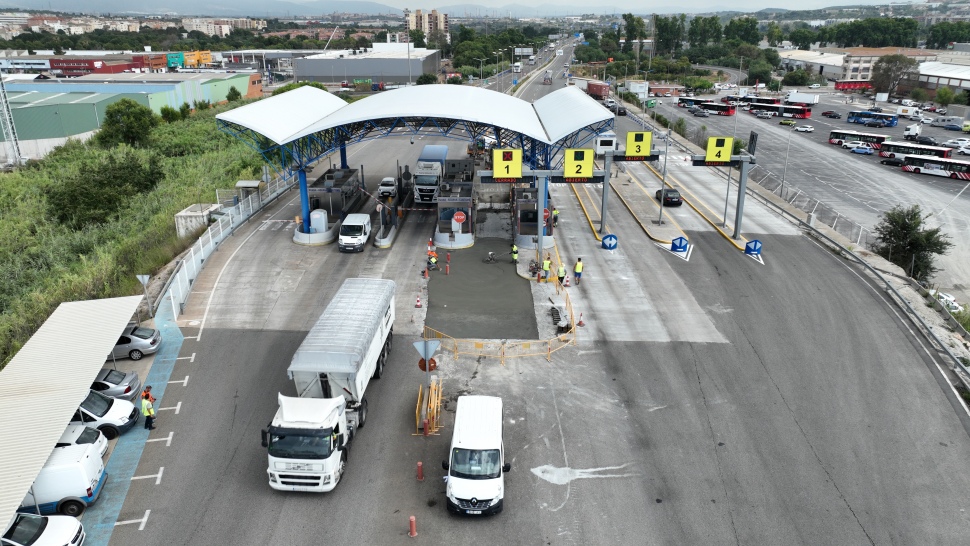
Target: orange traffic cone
(418, 305)
(566, 281)
(580, 323)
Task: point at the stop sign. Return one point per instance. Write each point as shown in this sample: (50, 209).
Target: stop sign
(545, 214)
(460, 217)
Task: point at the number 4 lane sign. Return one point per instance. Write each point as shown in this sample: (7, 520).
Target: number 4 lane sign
(719, 149)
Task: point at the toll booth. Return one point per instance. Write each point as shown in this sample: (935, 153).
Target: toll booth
(456, 219)
(337, 191)
(528, 221)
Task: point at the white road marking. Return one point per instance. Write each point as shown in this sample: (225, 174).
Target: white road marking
(562, 476)
(184, 382)
(141, 522)
(177, 408)
(190, 358)
(158, 477)
(167, 440)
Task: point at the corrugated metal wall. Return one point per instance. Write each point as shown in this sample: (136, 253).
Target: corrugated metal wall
(385, 70)
(62, 120)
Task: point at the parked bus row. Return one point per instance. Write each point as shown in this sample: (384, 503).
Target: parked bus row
(887, 147)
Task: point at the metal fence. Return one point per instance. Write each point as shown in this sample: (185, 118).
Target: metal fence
(179, 285)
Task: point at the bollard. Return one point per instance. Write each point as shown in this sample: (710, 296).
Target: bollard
(412, 527)
(425, 427)
(420, 471)
(425, 272)
(447, 269)
(448, 257)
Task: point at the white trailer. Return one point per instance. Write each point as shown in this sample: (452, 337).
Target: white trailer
(801, 99)
(308, 438)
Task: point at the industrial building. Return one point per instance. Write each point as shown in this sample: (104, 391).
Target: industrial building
(389, 63)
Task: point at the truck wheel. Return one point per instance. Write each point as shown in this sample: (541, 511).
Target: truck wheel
(71, 508)
(362, 413)
(379, 371)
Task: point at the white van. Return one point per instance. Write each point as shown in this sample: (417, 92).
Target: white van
(354, 232)
(34, 530)
(83, 435)
(71, 479)
(946, 120)
(109, 415)
(476, 463)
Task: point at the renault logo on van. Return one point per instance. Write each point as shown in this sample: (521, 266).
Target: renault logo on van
(474, 501)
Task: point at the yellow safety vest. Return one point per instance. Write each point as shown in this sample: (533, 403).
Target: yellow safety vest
(579, 267)
(562, 270)
(546, 265)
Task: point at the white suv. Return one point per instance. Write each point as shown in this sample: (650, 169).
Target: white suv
(387, 188)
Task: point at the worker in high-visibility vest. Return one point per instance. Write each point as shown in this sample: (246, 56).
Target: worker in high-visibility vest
(546, 267)
(578, 270)
(561, 272)
(515, 253)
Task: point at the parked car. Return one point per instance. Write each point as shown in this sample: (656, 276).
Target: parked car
(787, 122)
(892, 161)
(941, 111)
(875, 109)
(862, 150)
(667, 94)
(80, 434)
(136, 342)
(926, 140)
(109, 415)
(875, 123)
(702, 114)
(953, 127)
(915, 117)
(34, 530)
(387, 187)
(805, 129)
(117, 384)
(894, 101)
(671, 197)
(948, 301)
(828, 113)
(764, 115)
(693, 109)
(961, 142)
(963, 151)
(930, 109)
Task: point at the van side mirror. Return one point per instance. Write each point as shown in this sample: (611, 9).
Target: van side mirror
(265, 442)
(506, 467)
(444, 464)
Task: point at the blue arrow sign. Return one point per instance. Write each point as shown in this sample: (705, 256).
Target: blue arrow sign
(609, 242)
(753, 248)
(679, 245)
(515, 82)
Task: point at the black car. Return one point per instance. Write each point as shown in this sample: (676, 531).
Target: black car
(671, 197)
(618, 109)
(875, 123)
(927, 140)
(836, 115)
(875, 109)
(892, 161)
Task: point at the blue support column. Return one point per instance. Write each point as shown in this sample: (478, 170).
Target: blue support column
(304, 201)
(343, 155)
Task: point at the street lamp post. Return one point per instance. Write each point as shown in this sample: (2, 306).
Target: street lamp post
(407, 36)
(727, 193)
(663, 179)
(784, 172)
(481, 71)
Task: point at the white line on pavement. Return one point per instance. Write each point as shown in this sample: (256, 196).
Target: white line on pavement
(141, 521)
(158, 477)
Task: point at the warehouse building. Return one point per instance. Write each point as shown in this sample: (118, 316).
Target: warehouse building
(389, 63)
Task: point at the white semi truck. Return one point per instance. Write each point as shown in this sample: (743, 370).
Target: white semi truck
(308, 438)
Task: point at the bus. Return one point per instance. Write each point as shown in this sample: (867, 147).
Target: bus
(763, 100)
(737, 100)
(904, 149)
(839, 137)
(852, 85)
(687, 102)
(783, 111)
(718, 109)
(936, 166)
(864, 116)
(517, 67)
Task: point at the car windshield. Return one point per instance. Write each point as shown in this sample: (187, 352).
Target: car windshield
(114, 377)
(26, 529)
(97, 404)
(304, 444)
(143, 333)
(672, 194)
(352, 230)
(475, 464)
(87, 436)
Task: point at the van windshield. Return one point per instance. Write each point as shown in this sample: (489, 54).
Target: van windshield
(476, 464)
(97, 404)
(352, 230)
(310, 444)
(87, 436)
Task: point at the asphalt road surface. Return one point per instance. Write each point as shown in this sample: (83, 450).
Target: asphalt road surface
(719, 399)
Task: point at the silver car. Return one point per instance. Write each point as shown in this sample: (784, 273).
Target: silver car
(117, 384)
(136, 342)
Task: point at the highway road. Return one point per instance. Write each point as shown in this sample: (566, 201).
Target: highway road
(712, 400)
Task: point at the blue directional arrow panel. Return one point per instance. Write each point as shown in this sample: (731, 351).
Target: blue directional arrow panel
(609, 242)
(753, 248)
(679, 245)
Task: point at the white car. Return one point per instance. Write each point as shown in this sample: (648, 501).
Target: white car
(856, 144)
(667, 94)
(609, 103)
(30, 529)
(805, 129)
(948, 301)
(957, 143)
(387, 188)
(963, 151)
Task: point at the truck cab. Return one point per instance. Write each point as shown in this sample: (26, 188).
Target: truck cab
(307, 444)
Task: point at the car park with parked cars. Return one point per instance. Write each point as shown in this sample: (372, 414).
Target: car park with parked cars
(136, 342)
(671, 197)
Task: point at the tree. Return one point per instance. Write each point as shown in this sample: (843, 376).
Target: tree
(427, 79)
(126, 122)
(233, 94)
(744, 29)
(802, 38)
(774, 34)
(919, 94)
(170, 115)
(455, 80)
(889, 70)
(417, 38)
(944, 96)
(903, 239)
(185, 110)
(795, 78)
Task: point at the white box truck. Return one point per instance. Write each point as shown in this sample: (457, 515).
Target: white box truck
(307, 440)
(801, 99)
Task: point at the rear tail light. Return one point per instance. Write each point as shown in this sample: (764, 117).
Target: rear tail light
(153, 341)
(90, 492)
(127, 389)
